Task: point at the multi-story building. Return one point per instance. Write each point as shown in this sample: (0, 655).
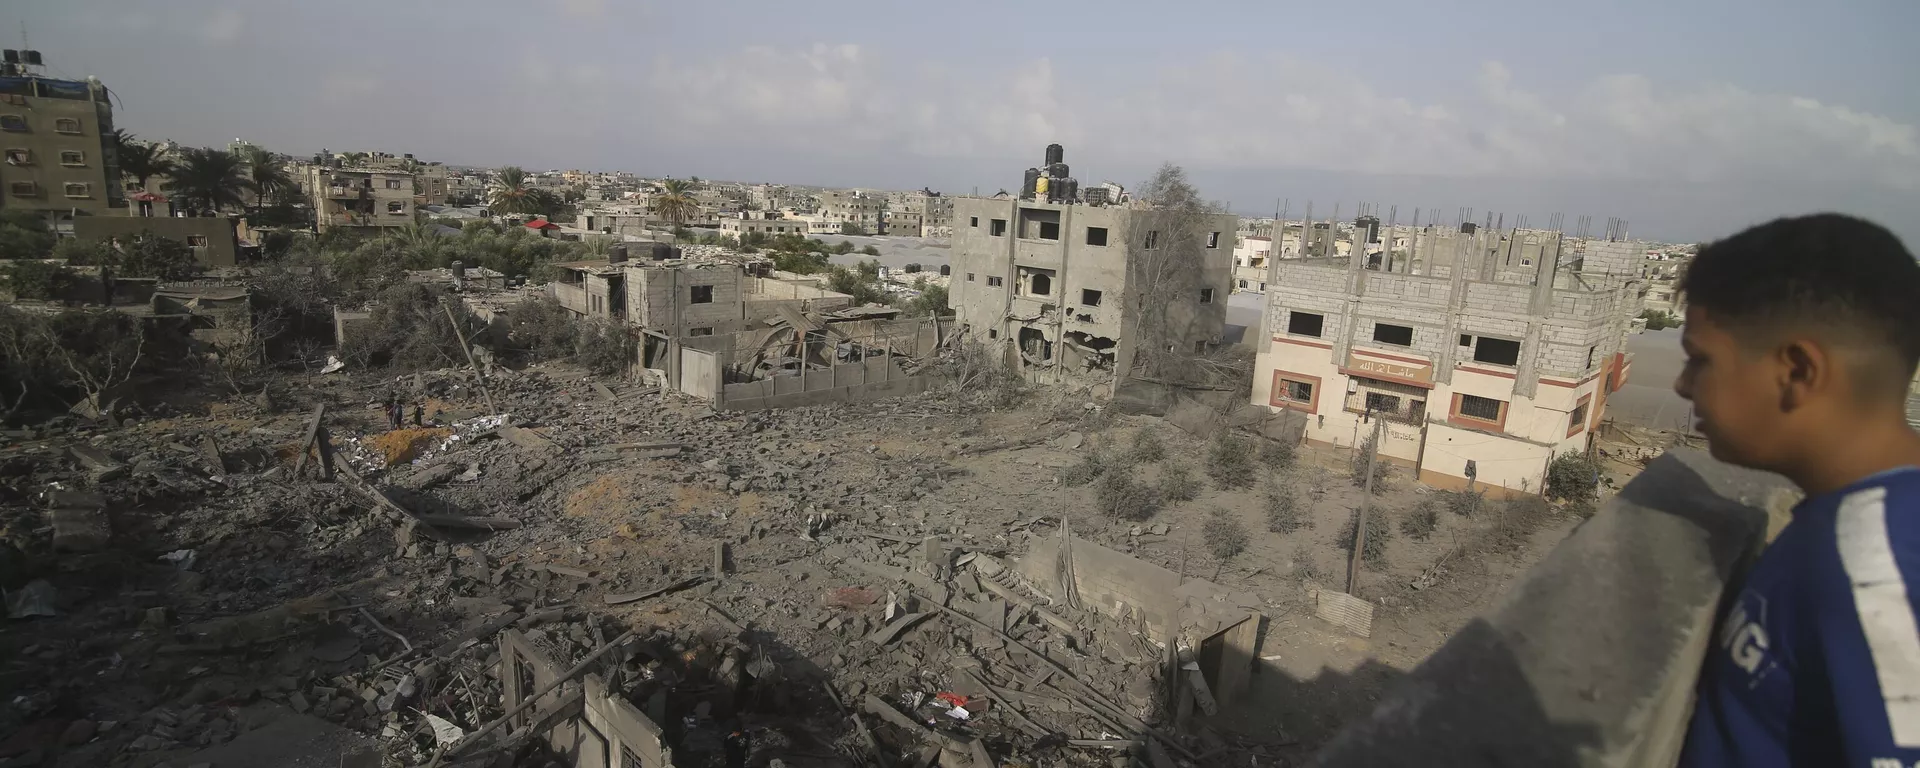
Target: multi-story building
(360, 197)
(852, 206)
(1052, 281)
(904, 222)
(1484, 354)
(736, 227)
(1250, 263)
(431, 180)
(59, 157)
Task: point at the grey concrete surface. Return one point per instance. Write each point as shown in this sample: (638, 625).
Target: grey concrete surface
(1591, 659)
(1648, 399)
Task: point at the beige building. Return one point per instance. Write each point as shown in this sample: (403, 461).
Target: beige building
(734, 228)
(1483, 355)
(361, 197)
(215, 240)
(54, 133)
(852, 206)
(1050, 283)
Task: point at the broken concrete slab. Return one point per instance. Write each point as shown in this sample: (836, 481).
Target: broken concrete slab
(287, 740)
(527, 438)
(100, 465)
(892, 631)
(80, 530)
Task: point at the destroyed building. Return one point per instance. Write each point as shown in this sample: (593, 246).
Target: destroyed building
(360, 197)
(1052, 281)
(1485, 353)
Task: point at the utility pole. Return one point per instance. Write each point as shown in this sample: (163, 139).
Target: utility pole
(1360, 522)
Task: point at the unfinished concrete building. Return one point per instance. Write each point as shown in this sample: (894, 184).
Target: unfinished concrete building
(361, 197)
(1053, 283)
(1484, 353)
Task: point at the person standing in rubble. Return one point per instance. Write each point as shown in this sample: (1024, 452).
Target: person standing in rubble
(1802, 337)
(419, 413)
(736, 745)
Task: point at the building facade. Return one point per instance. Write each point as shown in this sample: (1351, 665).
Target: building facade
(852, 207)
(1250, 263)
(361, 197)
(1483, 354)
(59, 159)
(1050, 282)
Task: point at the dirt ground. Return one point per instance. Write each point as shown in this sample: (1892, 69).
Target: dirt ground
(298, 593)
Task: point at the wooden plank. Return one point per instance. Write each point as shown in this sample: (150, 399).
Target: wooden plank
(306, 443)
(1346, 611)
(634, 597)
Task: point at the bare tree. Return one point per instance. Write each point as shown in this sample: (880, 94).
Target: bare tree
(1166, 257)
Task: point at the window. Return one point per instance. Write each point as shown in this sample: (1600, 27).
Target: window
(73, 158)
(707, 331)
(197, 241)
(995, 282)
(19, 157)
(1387, 399)
(1243, 284)
(702, 294)
(997, 227)
(1049, 230)
(1206, 295)
(969, 277)
(24, 189)
(1213, 239)
(1380, 402)
(1590, 351)
(1153, 238)
(14, 123)
(992, 334)
(975, 222)
(66, 125)
(1090, 297)
(1296, 391)
(1397, 335)
(1496, 351)
(1466, 340)
(397, 208)
(1305, 324)
(1481, 408)
(75, 189)
(1577, 420)
(393, 183)
(1041, 285)
(1096, 235)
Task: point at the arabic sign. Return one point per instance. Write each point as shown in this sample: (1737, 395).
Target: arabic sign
(1390, 370)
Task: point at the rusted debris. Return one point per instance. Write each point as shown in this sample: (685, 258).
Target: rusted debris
(634, 597)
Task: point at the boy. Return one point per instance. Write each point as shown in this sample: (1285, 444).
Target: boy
(1802, 336)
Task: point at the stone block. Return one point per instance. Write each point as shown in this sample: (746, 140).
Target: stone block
(80, 530)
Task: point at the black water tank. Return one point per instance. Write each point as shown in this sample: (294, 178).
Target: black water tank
(1057, 170)
(1069, 190)
(32, 57)
(1469, 228)
(946, 270)
(661, 252)
(617, 253)
(12, 56)
(1028, 183)
(1056, 153)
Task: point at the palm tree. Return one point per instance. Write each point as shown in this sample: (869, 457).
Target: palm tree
(510, 190)
(541, 202)
(266, 174)
(141, 160)
(208, 180)
(676, 203)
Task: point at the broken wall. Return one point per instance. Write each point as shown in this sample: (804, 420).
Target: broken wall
(1129, 589)
(859, 381)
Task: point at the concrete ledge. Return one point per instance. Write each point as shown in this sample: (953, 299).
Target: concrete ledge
(1591, 659)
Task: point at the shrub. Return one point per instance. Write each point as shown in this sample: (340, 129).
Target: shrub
(1225, 535)
(1359, 466)
(1421, 520)
(1277, 454)
(1518, 518)
(1121, 498)
(1284, 514)
(870, 251)
(1230, 461)
(1147, 447)
(1463, 503)
(36, 279)
(1177, 483)
(910, 268)
(1378, 532)
(604, 346)
(1572, 476)
(1092, 464)
(1658, 319)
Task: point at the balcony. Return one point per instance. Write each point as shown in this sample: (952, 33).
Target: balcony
(349, 193)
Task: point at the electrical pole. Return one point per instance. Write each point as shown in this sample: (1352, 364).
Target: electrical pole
(1360, 521)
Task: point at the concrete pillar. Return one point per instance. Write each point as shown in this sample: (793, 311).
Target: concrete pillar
(1456, 295)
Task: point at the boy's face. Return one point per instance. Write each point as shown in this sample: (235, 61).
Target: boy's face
(1736, 400)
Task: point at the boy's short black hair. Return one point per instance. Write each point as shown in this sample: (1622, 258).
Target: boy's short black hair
(1847, 276)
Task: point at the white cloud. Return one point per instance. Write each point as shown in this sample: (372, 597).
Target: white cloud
(223, 26)
(1272, 112)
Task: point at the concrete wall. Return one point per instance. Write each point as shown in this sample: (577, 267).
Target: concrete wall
(661, 298)
(220, 246)
(870, 379)
(1609, 684)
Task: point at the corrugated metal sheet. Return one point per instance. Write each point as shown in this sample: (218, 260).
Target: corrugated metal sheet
(1352, 613)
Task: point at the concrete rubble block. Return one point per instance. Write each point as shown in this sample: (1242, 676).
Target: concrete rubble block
(80, 530)
(100, 465)
(1194, 418)
(1609, 684)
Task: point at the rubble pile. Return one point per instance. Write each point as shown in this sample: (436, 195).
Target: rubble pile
(174, 584)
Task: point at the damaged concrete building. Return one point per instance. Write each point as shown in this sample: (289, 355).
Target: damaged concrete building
(1486, 353)
(1054, 281)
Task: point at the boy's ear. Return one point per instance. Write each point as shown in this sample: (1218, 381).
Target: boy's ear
(1806, 368)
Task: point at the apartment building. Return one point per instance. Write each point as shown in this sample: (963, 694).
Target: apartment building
(852, 206)
(1483, 353)
(735, 228)
(1050, 281)
(56, 136)
(360, 196)
(1250, 258)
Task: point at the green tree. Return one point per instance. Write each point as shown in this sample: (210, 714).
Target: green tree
(843, 248)
(150, 255)
(933, 300)
(266, 174)
(24, 235)
(207, 180)
(142, 160)
(675, 203)
(850, 228)
(870, 251)
(856, 283)
(37, 279)
(509, 191)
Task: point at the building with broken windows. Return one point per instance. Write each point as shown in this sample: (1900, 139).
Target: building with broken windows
(1485, 353)
(1048, 279)
(360, 197)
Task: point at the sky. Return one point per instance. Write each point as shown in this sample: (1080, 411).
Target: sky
(1689, 119)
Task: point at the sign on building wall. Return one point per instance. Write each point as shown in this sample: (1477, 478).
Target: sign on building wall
(1390, 370)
